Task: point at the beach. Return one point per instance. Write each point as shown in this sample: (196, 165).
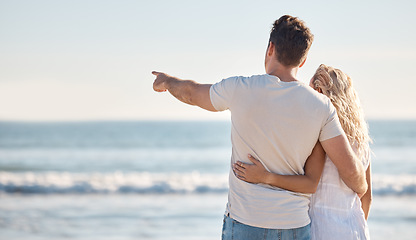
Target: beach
(159, 180)
(157, 217)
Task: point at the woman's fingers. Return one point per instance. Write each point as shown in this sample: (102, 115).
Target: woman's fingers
(239, 173)
(240, 164)
(252, 159)
(241, 177)
(238, 169)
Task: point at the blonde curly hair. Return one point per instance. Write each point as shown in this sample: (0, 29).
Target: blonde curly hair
(338, 87)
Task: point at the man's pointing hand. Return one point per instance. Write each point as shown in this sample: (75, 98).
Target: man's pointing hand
(160, 83)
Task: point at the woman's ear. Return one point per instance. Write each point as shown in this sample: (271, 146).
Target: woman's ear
(319, 89)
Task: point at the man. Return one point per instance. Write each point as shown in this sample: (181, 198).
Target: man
(278, 120)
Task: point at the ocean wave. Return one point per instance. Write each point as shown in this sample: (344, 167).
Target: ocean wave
(116, 182)
(155, 183)
(384, 184)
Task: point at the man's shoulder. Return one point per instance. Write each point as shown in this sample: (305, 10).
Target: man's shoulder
(244, 82)
(314, 95)
(313, 100)
(252, 78)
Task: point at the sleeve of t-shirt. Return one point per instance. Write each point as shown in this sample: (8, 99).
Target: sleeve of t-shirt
(221, 93)
(331, 127)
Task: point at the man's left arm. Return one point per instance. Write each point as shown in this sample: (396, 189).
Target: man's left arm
(187, 91)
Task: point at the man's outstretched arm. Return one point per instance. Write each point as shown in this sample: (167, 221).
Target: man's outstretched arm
(350, 169)
(187, 91)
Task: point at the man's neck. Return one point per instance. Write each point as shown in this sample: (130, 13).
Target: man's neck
(285, 74)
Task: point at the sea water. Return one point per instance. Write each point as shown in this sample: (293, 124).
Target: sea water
(159, 180)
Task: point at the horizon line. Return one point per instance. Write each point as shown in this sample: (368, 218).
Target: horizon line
(157, 120)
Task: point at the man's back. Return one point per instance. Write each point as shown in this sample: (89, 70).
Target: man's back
(279, 123)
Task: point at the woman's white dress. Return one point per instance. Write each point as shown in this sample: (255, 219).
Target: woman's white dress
(335, 209)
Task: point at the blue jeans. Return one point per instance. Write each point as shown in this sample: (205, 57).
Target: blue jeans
(234, 230)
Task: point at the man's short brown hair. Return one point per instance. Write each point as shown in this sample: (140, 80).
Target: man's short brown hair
(292, 40)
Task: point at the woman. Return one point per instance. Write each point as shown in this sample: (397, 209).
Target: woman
(335, 210)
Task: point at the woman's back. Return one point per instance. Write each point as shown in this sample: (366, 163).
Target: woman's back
(335, 210)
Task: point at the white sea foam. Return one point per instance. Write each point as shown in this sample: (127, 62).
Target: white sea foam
(394, 184)
(155, 183)
(117, 182)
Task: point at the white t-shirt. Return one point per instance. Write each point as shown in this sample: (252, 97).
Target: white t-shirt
(278, 123)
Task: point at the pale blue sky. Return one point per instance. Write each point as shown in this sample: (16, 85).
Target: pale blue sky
(92, 60)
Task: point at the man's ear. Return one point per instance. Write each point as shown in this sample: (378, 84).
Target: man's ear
(302, 63)
(270, 49)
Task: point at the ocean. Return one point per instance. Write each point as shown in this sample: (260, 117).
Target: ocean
(159, 180)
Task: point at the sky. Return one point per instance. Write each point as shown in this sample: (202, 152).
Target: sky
(92, 59)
